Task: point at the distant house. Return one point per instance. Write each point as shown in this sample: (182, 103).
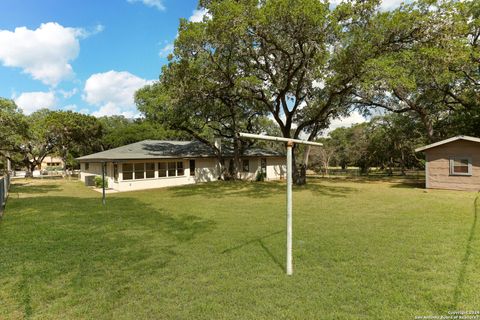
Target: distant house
(155, 164)
(453, 164)
(51, 162)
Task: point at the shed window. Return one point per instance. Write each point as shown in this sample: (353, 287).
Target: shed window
(461, 166)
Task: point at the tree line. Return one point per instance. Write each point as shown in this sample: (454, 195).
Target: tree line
(289, 67)
(303, 63)
(27, 139)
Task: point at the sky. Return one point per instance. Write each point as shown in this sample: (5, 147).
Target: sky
(90, 56)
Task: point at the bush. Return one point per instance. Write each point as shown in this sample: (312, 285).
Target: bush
(260, 176)
(99, 182)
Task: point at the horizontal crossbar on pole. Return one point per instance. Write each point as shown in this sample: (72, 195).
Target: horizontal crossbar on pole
(270, 138)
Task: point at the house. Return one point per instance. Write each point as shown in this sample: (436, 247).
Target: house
(453, 164)
(155, 164)
(51, 162)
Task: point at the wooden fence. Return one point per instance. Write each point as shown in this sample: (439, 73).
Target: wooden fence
(4, 186)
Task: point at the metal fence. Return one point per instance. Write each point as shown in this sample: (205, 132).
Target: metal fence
(4, 186)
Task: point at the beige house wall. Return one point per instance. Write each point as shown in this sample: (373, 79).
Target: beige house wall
(206, 170)
(438, 166)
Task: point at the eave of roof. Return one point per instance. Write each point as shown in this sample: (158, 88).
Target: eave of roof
(439, 143)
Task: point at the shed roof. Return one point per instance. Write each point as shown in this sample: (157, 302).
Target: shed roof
(164, 149)
(439, 143)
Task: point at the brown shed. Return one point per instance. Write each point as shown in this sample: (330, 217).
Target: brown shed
(453, 164)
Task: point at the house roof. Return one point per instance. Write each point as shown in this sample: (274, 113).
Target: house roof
(439, 143)
(163, 149)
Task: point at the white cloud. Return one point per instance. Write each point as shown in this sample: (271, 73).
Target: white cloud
(198, 15)
(151, 3)
(44, 53)
(113, 92)
(30, 102)
(68, 94)
(386, 5)
(166, 50)
(353, 118)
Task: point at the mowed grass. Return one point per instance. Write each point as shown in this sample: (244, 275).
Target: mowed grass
(362, 250)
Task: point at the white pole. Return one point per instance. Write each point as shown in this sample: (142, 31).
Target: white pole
(290, 142)
(289, 209)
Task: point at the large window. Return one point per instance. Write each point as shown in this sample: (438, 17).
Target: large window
(180, 171)
(461, 166)
(139, 171)
(162, 169)
(115, 172)
(150, 170)
(172, 169)
(127, 169)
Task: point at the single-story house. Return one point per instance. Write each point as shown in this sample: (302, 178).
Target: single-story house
(156, 163)
(453, 164)
(51, 162)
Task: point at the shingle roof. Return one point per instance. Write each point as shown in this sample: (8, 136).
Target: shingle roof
(162, 149)
(439, 143)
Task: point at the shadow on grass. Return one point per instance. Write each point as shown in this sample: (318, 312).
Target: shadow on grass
(77, 244)
(28, 188)
(259, 241)
(468, 252)
(221, 189)
(396, 182)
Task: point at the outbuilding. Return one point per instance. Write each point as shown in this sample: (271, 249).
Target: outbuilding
(453, 164)
(157, 163)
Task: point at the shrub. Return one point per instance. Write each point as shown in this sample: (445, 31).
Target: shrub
(99, 182)
(260, 176)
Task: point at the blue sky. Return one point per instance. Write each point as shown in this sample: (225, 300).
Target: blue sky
(85, 55)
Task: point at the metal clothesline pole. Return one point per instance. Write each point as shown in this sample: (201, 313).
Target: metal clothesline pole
(290, 143)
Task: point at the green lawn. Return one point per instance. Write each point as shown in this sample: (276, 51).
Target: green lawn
(362, 250)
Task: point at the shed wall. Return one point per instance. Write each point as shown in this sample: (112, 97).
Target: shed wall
(438, 166)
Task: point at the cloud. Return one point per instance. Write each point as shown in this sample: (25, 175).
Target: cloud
(151, 3)
(198, 15)
(166, 50)
(113, 92)
(353, 118)
(44, 53)
(68, 94)
(30, 102)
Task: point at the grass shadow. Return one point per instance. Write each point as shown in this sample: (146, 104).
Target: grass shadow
(222, 189)
(261, 243)
(468, 252)
(28, 188)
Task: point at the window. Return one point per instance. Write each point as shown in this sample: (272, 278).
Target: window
(171, 169)
(115, 172)
(127, 169)
(461, 166)
(245, 165)
(87, 166)
(180, 171)
(192, 167)
(150, 170)
(139, 171)
(162, 169)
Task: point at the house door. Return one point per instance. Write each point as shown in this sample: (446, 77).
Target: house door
(192, 168)
(263, 166)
